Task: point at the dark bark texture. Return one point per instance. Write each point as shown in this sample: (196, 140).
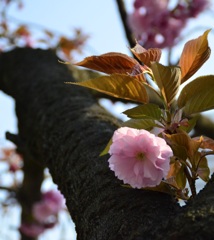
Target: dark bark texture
(63, 128)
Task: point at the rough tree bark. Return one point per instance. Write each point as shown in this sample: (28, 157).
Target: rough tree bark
(63, 128)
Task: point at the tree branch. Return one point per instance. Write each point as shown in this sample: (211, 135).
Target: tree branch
(64, 128)
(123, 16)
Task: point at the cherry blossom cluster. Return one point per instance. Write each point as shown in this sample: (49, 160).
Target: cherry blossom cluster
(155, 24)
(44, 213)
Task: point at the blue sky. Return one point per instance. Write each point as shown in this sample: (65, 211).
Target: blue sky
(99, 19)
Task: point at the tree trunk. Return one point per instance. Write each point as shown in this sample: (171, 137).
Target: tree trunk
(64, 128)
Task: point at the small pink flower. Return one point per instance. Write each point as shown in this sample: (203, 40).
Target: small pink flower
(139, 158)
(46, 210)
(32, 230)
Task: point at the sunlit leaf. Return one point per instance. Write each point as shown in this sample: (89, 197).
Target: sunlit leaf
(110, 63)
(197, 96)
(119, 86)
(146, 124)
(203, 170)
(194, 54)
(106, 149)
(146, 56)
(167, 79)
(145, 111)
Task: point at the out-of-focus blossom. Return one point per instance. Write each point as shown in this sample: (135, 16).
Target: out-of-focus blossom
(46, 210)
(139, 158)
(45, 214)
(155, 25)
(13, 159)
(32, 230)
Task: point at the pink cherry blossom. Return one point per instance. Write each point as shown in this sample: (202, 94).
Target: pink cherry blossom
(138, 157)
(46, 210)
(154, 24)
(32, 230)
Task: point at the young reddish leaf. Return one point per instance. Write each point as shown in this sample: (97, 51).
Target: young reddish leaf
(190, 124)
(146, 56)
(146, 124)
(203, 170)
(67, 45)
(207, 143)
(175, 167)
(197, 96)
(194, 55)
(111, 63)
(183, 146)
(146, 111)
(22, 31)
(119, 86)
(167, 79)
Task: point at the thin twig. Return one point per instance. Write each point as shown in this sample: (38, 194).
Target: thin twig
(123, 15)
(9, 189)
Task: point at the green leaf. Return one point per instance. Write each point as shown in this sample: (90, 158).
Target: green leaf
(146, 111)
(167, 79)
(194, 55)
(119, 86)
(146, 124)
(106, 149)
(203, 170)
(197, 96)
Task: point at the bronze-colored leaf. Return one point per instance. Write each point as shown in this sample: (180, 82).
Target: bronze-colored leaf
(111, 63)
(167, 79)
(146, 56)
(119, 86)
(206, 142)
(194, 55)
(203, 170)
